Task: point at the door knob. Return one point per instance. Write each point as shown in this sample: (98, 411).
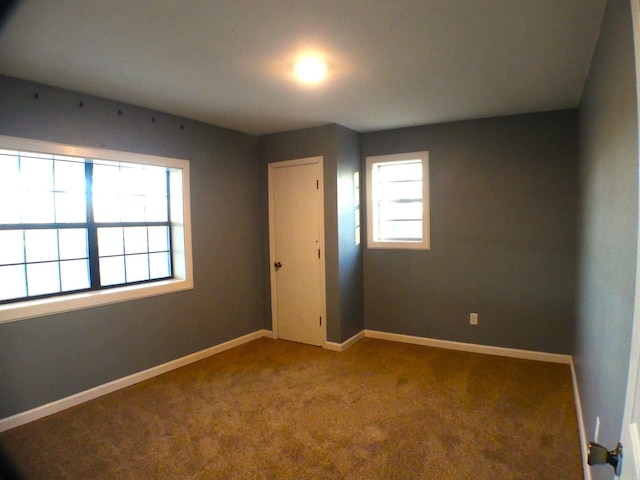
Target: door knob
(277, 264)
(599, 455)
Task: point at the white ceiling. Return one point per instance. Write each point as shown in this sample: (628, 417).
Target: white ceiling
(393, 63)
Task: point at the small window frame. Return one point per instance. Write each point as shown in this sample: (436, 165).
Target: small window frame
(180, 243)
(371, 195)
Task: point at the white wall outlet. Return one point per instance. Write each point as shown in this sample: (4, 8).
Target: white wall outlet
(473, 319)
(596, 434)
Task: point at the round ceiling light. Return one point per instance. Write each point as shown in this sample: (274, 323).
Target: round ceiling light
(310, 70)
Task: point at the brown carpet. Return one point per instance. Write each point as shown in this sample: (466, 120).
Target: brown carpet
(274, 409)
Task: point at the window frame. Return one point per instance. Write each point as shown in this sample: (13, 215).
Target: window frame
(180, 221)
(372, 241)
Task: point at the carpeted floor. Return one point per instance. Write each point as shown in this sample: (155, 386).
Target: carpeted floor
(274, 409)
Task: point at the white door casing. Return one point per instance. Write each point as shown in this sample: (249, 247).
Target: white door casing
(296, 240)
(630, 435)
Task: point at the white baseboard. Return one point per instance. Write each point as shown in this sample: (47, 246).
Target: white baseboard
(470, 347)
(81, 397)
(584, 444)
(341, 347)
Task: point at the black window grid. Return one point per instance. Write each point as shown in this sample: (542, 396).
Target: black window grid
(92, 240)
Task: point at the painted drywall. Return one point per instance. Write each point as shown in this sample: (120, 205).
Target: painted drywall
(503, 235)
(349, 252)
(47, 358)
(608, 227)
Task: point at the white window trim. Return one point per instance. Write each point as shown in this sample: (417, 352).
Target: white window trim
(181, 243)
(425, 244)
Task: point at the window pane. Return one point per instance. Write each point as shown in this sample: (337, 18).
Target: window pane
(37, 207)
(67, 158)
(43, 278)
(11, 247)
(159, 265)
(71, 208)
(356, 189)
(106, 178)
(73, 243)
(74, 275)
(36, 173)
(408, 231)
(110, 241)
(106, 208)
(158, 239)
(9, 173)
(46, 156)
(133, 180)
(132, 208)
(111, 271)
(69, 176)
(400, 211)
(400, 171)
(155, 181)
(41, 245)
(137, 267)
(175, 185)
(156, 209)
(13, 283)
(9, 207)
(402, 190)
(135, 240)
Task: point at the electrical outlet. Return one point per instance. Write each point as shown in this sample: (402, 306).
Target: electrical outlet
(473, 319)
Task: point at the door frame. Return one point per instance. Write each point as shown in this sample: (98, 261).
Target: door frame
(321, 242)
(630, 435)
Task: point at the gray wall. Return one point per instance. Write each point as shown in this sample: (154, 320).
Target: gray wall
(339, 148)
(503, 235)
(608, 226)
(47, 358)
(350, 254)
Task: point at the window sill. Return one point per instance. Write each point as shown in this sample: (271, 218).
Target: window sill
(399, 245)
(49, 306)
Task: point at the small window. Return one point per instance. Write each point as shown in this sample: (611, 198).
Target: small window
(81, 227)
(398, 201)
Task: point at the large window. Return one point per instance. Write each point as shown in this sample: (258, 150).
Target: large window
(82, 227)
(398, 201)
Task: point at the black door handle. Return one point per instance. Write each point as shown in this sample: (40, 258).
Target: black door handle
(277, 264)
(599, 455)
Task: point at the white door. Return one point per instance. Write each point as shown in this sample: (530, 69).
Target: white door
(630, 436)
(297, 253)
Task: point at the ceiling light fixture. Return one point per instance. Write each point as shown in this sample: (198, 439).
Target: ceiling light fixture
(310, 70)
